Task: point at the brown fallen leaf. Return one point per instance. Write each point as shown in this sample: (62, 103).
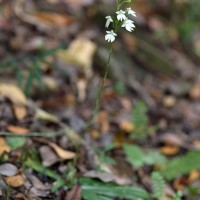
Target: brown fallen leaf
(13, 93)
(169, 150)
(17, 97)
(180, 183)
(74, 193)
(52, 18)
(20, 111)
(64, 154)
(17, 129)
(48, 156)
(169, 101)
(194, 175)
(80, 52)
(4, 148)
(41, 19)
(20, 196)
(126, 126)
(15, 181)
(195, 92)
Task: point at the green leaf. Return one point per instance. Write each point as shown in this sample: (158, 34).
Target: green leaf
(111, 191)
(15, 142)
(91, 196)
(58, 184)
(134, 155)
(154, 157)
(158, 185)
(181, 165)
(35, 165)
(138, 158)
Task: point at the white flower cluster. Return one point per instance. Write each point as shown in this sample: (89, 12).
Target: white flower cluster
(125, 22)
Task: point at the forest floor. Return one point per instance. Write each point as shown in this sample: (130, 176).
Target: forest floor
(144, 140)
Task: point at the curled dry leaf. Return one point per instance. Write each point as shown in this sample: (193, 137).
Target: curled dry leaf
(15, 181)
(45, 116)
(13, 93)
(41, 19)
(17, 129)
(4, 148)
(126, 126)
(48, 156)
(169, 150)
(64, 154)
(80, 52)
(20, 111)
(17, 97)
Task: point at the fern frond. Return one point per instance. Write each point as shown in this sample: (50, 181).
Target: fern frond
(181, 165)
(158, 185)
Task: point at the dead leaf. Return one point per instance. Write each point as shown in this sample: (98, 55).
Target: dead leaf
(53, 19)
(180, 183)
(37, 183)
(126, 126)
(8, 169)
(169, 101)
(194, 175)
(195, 92)
(45, 116)
(103, 176)
(64, 154)
(81, 87)
(20, 196)
(80, 52)
(103, 119)
(15, 181)
(48, 156)
(172, 139)
(17, 129)
(41, 19)
(74, 193)
(169, 150)
(13, 93)
(196, 144)
(20, 111)
(4, 148)
(17, 97)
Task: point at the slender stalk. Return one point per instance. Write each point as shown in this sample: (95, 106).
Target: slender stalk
(98, 97)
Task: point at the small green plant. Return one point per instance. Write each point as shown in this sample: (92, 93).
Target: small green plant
(96, 190)
(177, 196)
(139, 158)
(158, 185)
(120, 19)
(102, 154)
(141, 121)
(181, 165)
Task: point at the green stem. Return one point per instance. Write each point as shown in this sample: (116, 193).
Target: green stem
(97, 100)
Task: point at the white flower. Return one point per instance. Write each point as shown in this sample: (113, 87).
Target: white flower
(110, 36)
(131, 12)
(128, 24)
(108, 21)
(121, 15)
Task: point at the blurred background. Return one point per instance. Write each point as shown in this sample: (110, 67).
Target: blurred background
(53, 56)
(55, 52)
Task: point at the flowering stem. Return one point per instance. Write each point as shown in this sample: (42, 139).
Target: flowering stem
(96, 105)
